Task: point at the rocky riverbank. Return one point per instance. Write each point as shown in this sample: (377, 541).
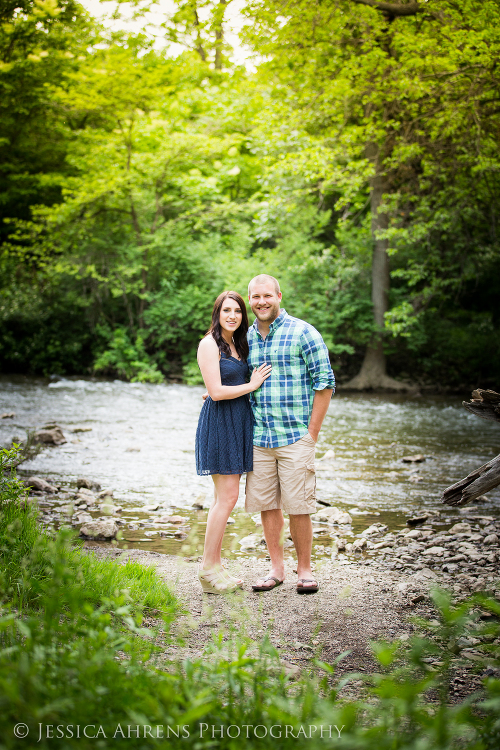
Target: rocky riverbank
(464, 554)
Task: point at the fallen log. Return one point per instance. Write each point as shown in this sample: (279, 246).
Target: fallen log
(478, 482)
(484, 404)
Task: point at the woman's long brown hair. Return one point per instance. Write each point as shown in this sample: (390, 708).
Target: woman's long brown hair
(240, 334)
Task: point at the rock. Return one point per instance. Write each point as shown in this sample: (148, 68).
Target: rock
(82, 429)
(375, 528)
(133, 449)
(39, 484)
(80, 518)
(103, 529)
(8, 415)
(230, 520)
(490, 539)
(328, 456)
(416, 478)
(417, 599)
(438, 551)
(382, 545)
(151, 507)
(50, 436)
(292, 670)
(416, 521)
(105, 493)
(87, 484)
(180, 534)
(426, 574)
(109, 508)
(359, 544)
(332, 515)
(413, 459)
(461, 527)
(414, 534)
(172, 519)
(251, 541)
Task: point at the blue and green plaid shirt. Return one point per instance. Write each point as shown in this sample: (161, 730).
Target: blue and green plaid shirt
(282, 405)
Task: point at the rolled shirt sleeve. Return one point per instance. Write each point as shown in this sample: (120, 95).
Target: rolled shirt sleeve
(317, 359)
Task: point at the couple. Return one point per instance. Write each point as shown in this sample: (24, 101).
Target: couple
(270, 436)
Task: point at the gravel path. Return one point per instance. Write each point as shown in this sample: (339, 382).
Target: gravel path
(351, 607)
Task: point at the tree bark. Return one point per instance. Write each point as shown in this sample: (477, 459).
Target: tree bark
(373, 373)
(393, 9)
(484, 404)
(219, 33)
(199, 47)
(482, 480)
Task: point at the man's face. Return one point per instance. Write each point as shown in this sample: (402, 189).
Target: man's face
(265, 302)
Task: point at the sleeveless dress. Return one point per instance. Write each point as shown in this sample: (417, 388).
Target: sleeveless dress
(224, 438)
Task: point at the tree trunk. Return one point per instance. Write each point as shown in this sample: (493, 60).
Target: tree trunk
(373, 373)
(219, 32)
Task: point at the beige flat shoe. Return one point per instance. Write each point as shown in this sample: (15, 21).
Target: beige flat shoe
(216, 581)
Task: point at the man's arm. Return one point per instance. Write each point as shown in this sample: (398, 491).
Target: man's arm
(320, 407)
(315, 355)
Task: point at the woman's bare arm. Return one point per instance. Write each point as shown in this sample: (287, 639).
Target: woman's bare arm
(208, 361)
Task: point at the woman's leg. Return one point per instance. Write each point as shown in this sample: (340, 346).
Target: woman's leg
(225, 497)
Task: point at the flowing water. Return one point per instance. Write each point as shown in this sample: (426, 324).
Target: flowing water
(140, 443)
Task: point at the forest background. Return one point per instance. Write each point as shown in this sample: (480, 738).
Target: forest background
(357, 159)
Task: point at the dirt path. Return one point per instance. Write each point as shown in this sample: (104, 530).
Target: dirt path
(353, 605)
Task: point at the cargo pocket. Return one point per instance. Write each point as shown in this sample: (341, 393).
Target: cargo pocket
(310, 482)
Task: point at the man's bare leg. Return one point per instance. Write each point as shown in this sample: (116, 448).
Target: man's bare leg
(273, 523)
(301, 531)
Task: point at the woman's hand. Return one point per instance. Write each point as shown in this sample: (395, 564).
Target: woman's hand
(259, 375)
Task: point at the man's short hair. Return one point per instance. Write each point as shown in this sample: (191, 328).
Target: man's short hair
(264, 278)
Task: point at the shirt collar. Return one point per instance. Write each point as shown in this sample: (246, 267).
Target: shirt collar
(275, 324)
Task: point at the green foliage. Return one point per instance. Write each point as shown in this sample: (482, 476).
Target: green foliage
(128, 359)
(135, 186)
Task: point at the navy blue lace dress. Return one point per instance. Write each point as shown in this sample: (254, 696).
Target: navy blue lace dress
(224, 438)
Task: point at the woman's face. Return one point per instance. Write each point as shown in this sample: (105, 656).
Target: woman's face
(230, 315)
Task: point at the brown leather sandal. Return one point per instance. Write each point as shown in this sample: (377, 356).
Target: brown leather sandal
(307, 589)
(277, 582)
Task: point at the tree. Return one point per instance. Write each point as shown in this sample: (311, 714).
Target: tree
(403, 81)
(40, 43)
(187, 27)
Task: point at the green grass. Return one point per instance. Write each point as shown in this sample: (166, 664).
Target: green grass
(27, 555)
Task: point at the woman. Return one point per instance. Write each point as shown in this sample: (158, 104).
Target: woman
(224, 444)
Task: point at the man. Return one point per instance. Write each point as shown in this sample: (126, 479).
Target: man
(289, 409)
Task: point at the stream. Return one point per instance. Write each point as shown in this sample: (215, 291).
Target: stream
(138, 440)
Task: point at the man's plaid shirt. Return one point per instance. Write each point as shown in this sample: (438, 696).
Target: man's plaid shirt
(282, 405)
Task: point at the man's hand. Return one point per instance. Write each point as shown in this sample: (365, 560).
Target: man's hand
(205, 396)
(320, 407)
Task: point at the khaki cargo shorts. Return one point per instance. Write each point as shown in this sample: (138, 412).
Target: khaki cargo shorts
(283, 478)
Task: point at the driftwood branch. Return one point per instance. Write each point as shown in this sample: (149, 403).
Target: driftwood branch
(393, 9)
(478, 482)
(485, 404)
